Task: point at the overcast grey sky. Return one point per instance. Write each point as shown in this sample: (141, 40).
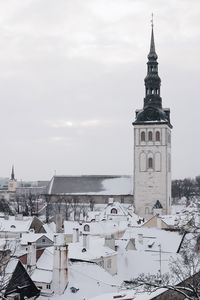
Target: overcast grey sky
(72, 74)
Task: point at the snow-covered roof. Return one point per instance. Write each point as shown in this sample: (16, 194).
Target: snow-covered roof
(90, 280)
(33, 237)
(132, 263)
(96, 250)
(13, 225)
(97, 228)
(153, 239)
(42, 276)
(129, 294)
(91, 185)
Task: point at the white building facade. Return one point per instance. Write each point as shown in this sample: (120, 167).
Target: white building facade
(152, 147)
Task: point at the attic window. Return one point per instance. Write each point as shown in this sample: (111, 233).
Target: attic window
(113, 211)
(12, 226)
(86, 227)
(84, 250)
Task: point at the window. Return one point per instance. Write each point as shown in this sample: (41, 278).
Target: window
(113, 211)
(157, 136)
(150, 136)
(43, 240)
(150, 163)
(142, 136)
(48, 286)
(86, 227)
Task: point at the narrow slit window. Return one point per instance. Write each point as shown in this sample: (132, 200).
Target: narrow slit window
(150, 163)
(150, 136)
(142, 136)
(158, 136)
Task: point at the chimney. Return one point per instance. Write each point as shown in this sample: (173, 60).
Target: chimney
(140, 238)
(85, 241)
(60, 264)
(59, 228)
(110, 241)
(75, 235)
(110, 201)
(159, 223)
(31, 256)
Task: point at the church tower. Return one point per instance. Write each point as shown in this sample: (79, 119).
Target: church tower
(12, 184)
(152, 146)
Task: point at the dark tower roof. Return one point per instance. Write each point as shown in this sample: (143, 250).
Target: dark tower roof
(152, 108)
(12, 173)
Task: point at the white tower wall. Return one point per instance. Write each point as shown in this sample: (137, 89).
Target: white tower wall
(152, 183)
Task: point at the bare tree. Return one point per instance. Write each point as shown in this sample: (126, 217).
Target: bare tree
(184, 277)
(7, 252)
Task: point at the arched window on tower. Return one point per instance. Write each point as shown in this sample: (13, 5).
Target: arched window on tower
(157, 136)
(150, 163)
(150, 136)
(142, 136)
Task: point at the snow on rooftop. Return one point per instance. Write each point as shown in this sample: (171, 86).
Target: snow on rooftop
(169, 241)
(90, 280)
(43, 276)
(97, 228)
(117, 186)
(95, 250)
(13, 225)
(130, 295)
(33, 237)
(133, 263)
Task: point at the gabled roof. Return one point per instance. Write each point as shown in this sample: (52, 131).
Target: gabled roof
(20, 282)
(91, 185)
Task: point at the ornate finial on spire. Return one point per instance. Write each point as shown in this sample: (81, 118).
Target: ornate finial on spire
(152, 20)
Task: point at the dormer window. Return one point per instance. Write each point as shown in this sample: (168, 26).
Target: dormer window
(113, 211)
(86, 227)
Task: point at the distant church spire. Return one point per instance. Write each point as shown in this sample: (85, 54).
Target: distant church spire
(12, 173)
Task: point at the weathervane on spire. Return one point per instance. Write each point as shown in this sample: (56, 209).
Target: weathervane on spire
(152, 20)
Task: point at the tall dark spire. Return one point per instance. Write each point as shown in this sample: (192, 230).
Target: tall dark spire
(12, 173)
(152, 108)
(152, 80)
(152, 52)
